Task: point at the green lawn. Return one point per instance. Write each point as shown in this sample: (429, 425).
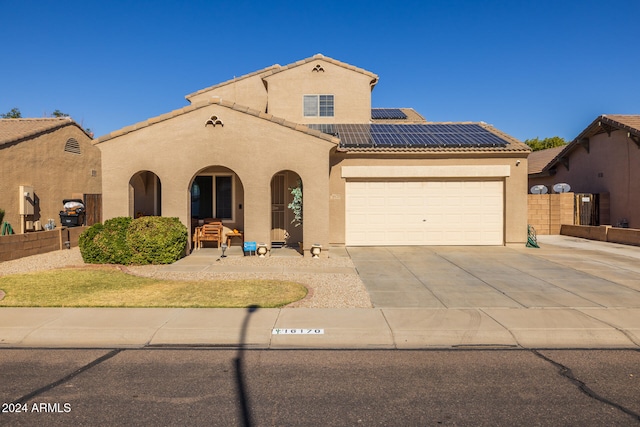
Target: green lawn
(110, 287)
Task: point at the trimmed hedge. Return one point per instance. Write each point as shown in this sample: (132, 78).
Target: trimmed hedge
(112, 241)
(156, 240)
(91, 252)
(146, 240)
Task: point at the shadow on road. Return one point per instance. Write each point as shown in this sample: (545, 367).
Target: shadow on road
(245, 409)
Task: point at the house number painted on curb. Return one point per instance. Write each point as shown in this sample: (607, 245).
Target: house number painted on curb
(297, 332)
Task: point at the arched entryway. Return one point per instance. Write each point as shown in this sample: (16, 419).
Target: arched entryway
(286, 209)
(217, 193)
(145, 195)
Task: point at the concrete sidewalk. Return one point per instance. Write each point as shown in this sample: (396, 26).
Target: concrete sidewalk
(321, 328)
(492, 325)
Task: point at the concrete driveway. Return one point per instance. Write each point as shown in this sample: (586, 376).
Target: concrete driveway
(563, 272)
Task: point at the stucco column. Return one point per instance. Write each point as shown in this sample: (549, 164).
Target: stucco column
(175, 199)
(316, 211)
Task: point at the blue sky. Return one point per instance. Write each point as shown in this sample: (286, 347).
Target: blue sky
(531, 68)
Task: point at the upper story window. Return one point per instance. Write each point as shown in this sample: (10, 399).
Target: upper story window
(318, 105)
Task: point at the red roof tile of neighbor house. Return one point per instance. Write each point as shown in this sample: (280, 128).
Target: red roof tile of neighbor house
(543, 162)
(538, 160)
(609, 122)
(629, 121)
(15, 130)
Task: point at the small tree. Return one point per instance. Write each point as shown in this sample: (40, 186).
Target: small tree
(58, 113)
(13, 114)
(537, 144)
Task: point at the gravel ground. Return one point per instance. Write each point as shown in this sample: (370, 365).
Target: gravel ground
(326, 290)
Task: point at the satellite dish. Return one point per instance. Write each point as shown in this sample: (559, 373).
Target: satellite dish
(561, 187)
(539, 189)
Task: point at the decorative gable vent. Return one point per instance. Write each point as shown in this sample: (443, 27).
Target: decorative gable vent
(214, 120)
(72, 146)
(318, 68)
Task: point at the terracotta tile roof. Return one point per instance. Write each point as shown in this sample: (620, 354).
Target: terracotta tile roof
(609, 122)
(226, 104)
(602, 124)
(514, 143)
(319, 56)
(538, 160)
(15, 130)
(629, 122)
(274, 69)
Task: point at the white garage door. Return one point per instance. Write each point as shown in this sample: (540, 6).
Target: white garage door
(446, 212)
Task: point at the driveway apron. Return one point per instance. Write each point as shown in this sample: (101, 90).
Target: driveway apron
(496, 277)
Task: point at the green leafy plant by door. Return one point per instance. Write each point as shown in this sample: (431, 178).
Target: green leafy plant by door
(296, 203)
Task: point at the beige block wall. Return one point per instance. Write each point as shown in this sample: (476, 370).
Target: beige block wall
(625, 236)
(586, 231)
(351, 90)
(548, 212)
(54, 174)
(515, 214)
(604, 233)
(21, 245)
(255, 149)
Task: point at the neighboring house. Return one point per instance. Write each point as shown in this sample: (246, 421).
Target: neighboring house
(53, 156)
(603, 159)
(539, 160)
(369, 176)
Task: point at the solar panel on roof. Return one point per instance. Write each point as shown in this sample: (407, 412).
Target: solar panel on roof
(368, 136)
(356, 135)
(389, 139)
(324, 128)
(387, 114)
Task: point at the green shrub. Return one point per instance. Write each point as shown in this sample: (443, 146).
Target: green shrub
(1, 215)
(113, 241)
(106, 243)
(156, 240)
(91, 253)
(146, 240)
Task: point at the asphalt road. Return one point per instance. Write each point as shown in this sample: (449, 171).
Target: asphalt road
(319, 388)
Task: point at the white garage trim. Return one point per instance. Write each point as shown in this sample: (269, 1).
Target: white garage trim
(467, 171)
(456, 211)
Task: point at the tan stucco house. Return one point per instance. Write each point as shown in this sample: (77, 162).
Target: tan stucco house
(44, 161)
(603, 160)
(369, 176)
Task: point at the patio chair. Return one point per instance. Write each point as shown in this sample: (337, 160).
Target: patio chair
(210, 233)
